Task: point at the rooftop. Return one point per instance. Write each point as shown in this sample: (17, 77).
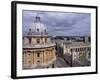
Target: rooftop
(74, 44)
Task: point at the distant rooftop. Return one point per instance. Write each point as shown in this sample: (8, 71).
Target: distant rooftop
(74, 44)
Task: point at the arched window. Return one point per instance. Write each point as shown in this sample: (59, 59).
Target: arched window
(89, 55)
(29, 40)
(29, 33)
(38, 62)
(38, 54)
(29, 62)
(45, 40)
(38, 40)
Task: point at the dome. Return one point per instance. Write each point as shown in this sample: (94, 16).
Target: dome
(37, 26)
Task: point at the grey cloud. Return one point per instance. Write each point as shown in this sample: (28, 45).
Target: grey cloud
(59, 23)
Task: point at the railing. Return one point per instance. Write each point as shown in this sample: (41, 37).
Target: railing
(39, 45)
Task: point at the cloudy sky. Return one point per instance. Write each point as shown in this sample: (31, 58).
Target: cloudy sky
(60, 23)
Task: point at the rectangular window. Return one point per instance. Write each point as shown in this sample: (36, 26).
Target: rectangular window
(29, 40)
(38, 54)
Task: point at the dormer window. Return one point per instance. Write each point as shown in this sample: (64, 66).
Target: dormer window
(29, 29)
(29, 33)
(37, 30)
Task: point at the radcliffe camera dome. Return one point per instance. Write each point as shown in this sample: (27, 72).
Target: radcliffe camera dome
(37, 45)
(37, 26)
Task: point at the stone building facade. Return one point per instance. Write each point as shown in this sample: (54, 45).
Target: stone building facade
(38, 48)
(75, 53)
(79, 50)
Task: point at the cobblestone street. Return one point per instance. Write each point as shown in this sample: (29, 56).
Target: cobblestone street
(60, 62)
(66, 61)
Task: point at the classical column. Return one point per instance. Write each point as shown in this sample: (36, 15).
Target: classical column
(33, 57)
(43, 56)
(23, 58)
